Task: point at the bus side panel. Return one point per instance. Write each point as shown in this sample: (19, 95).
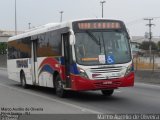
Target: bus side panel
(46, 68)
(13, 73)
(15, 66)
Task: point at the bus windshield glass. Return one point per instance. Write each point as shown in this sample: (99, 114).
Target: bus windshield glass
(102, 47)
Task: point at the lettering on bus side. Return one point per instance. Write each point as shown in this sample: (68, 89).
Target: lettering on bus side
(22, 63)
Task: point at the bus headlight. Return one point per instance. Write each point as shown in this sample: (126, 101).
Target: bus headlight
(82, 73)
(129, 69)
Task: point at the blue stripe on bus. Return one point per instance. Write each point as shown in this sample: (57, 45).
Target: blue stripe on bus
(62, 61)
(73, 69)
(47, 68)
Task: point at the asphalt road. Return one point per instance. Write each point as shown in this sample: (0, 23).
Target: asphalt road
(140, 99)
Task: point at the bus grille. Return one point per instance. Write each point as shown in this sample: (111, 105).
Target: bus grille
(106, 69)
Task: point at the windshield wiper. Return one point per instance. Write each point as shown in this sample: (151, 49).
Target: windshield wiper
(93, 37)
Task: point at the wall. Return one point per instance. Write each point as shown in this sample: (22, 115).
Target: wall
(3, 61)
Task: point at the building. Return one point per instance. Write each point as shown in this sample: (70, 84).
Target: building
(136, 42)
(4, 35)
(135, 47)
(140, 39)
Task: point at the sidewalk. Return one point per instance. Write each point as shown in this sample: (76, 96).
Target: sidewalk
(146, 76)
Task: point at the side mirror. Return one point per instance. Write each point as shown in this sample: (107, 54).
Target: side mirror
(72, 39)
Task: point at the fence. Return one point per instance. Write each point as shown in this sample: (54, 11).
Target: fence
(145, 62)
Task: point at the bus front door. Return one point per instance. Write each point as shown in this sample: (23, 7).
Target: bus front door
(67, 58)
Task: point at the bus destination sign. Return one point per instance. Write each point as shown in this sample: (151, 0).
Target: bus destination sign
(99, 25)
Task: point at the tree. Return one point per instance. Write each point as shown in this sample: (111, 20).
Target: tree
(158, 45)
(3, 48)
(145, 45)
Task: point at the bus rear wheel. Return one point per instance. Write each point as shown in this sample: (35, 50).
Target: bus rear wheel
(59, 87)
(23, 80)
(107, 92)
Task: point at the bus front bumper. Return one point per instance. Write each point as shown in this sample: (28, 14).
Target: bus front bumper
(83, 84)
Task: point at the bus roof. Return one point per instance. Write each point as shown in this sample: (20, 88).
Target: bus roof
(39, 30)
(49, 27)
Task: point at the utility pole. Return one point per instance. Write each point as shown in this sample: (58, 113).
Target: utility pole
(15, 17)
(102, 2)
(150, 36)
(29, 25)
(61, 12)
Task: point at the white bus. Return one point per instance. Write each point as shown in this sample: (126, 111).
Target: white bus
(81, 55)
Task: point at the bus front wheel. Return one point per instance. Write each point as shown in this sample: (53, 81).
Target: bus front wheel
(107, 92)
(59, 87)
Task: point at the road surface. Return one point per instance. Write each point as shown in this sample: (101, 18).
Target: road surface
(140, 99)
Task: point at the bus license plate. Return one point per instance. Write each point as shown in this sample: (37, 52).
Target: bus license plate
(107, 83)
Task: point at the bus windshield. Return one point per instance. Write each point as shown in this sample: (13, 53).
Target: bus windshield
(102, 47)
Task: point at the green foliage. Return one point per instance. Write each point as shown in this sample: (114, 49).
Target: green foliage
(145, 45)
(158, 45)
(3, 48)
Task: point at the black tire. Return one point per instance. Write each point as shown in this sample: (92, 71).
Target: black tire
(107, 92)
(23, 80)
(59, 87)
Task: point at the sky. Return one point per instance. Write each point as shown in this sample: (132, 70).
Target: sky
(39, 12)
